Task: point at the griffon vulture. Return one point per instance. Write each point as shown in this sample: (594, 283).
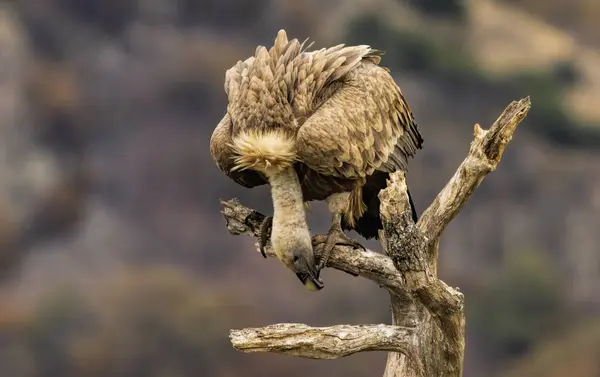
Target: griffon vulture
(326, 125)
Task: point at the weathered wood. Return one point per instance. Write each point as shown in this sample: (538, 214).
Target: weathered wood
(435, 308)
(324, 342)
(484, 155)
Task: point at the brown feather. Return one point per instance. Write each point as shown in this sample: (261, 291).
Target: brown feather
(221, 151)
(349, 119)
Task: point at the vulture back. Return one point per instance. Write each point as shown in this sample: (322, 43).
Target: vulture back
(270, 95)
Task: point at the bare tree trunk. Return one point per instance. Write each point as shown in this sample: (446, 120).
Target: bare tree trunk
(426, 337)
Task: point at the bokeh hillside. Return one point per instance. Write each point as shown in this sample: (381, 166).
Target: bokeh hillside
(114, 257)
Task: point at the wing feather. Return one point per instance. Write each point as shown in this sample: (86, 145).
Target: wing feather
(259, 89)
(316, 71)
(365, 125)
(237, 77)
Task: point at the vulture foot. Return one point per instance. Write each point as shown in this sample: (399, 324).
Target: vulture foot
(265, 234)
(335, 236)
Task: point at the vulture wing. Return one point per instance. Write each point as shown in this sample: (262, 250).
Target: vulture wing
(360, 123)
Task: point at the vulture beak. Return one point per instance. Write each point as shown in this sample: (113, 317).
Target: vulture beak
(311, 283)
(311, 279)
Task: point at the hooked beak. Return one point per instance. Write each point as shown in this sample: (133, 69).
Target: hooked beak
(311, 280)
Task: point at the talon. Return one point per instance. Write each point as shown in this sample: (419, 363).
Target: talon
(265, 234)
(336, 236)
(318, 239)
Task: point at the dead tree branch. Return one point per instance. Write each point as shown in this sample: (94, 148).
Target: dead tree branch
(484, 155)
(427, 334)
(242, 220)
(324, 342)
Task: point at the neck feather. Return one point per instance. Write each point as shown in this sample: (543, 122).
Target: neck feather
(289, 218)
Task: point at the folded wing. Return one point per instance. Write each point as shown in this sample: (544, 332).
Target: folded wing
(364, 125)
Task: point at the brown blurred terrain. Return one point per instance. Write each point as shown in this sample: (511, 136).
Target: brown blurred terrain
(114, 257)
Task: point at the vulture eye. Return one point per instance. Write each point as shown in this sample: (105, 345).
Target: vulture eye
(296, 259)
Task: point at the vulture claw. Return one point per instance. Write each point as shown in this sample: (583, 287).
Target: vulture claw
(265, 234)
(335, 236)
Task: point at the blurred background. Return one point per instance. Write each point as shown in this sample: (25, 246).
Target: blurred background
(114, 257)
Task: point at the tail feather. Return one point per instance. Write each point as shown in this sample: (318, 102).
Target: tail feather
(356, 207)
(412, 206)
(369, 223)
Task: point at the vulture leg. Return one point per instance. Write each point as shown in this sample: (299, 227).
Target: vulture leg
(336, 236)
(265, 234)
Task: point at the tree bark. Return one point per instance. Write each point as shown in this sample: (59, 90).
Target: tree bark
(426, 337)
(324, 342)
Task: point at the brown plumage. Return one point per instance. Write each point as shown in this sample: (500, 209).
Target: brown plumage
(333, 120)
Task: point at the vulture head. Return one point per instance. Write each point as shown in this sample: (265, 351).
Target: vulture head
(301, 261)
